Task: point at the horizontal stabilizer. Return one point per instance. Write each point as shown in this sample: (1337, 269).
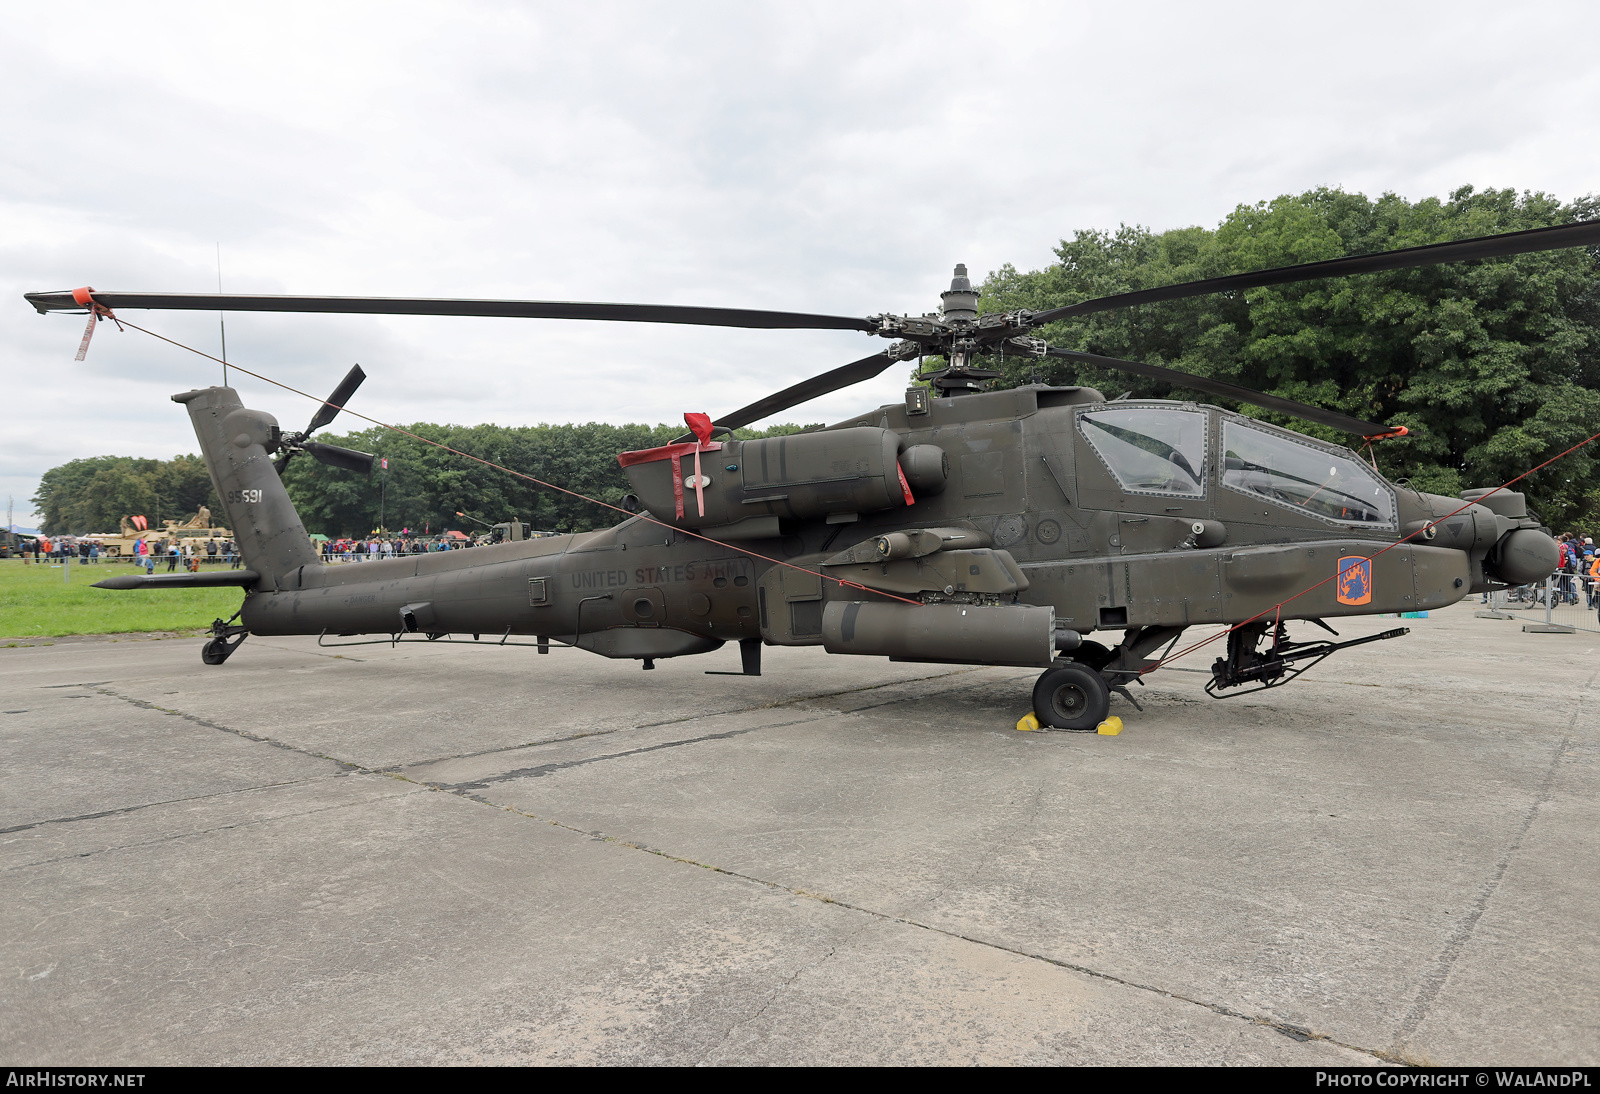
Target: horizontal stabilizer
(212, 580)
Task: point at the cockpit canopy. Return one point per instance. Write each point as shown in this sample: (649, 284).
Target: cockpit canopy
(1150, 450)
(1304, 476)
(1162, 450)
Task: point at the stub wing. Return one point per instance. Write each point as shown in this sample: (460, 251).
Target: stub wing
(217, 579)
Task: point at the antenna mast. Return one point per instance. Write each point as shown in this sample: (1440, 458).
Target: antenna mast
(222, 322)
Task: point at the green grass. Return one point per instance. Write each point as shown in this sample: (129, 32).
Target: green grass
(36, 603)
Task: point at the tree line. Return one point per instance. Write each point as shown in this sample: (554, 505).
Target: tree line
(422, 489)
(94, 494)
(425, 487)
(1493, 366)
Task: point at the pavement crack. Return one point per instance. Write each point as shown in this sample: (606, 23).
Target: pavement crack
(547, 769)
(196, 832)
(236, 732)
(673, 721)
(1288, 1029)
(782, 986)
(147, 805)
(1433, 982)
(312, 653)
(807, 699)
(505, 748)
(540, 770)
(911, 698)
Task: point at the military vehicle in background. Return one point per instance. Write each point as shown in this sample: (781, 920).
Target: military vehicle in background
(507, 531)
(15, 544)
(122, 544)
(511, 531)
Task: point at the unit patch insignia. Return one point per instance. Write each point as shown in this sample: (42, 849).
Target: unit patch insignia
(1355, 580)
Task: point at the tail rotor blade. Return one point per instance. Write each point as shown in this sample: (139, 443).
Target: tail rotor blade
(282, 461)
(336, 402)
(334, 456)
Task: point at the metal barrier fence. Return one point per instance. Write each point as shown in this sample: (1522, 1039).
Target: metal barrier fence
(1560, 604)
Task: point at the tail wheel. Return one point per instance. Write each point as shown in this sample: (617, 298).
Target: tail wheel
(224, 640)
(1071, 696)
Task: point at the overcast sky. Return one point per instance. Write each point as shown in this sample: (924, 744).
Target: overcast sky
(829, 157)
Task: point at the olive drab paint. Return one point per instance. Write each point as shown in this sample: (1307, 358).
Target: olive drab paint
(1041, 516)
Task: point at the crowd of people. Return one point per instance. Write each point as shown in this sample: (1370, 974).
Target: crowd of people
(367, 550)
(1576, 580)
(187, 553)
(1578, 572)
(146, 553)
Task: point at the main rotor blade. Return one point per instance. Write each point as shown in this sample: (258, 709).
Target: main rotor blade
(1584, 234)
(806, 390)
(334, 456)
(516, 309)
(329, 410)
(1331, 418)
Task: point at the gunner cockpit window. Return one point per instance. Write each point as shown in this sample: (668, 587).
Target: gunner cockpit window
(1150, 450)
(1311, 479)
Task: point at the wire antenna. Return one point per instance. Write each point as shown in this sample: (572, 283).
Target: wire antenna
(222, 319)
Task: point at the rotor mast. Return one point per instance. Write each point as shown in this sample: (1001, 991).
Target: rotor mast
(958, 309)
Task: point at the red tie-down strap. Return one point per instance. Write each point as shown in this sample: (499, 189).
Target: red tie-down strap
(700, 426)
(677, 485)
(672, 453)
(905, 487)
(96, 313)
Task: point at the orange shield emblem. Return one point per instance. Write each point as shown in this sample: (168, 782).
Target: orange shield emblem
(1355, 580)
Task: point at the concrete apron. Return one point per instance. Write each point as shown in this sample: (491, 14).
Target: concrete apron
(451, 855)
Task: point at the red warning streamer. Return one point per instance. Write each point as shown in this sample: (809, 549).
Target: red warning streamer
(97, 312)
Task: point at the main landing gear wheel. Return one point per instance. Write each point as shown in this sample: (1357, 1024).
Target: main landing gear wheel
(1071, 696)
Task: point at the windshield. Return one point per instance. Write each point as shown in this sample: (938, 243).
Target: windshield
(1151, 450)
(1313, 480)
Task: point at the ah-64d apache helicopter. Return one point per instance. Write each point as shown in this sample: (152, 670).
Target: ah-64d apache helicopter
(961, 526)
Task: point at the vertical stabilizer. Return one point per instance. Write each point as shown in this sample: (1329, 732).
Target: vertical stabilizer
(234, 441)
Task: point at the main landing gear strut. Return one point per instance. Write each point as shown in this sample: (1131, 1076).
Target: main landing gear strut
(1075, 692)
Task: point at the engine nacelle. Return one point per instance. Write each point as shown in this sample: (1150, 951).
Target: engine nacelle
(830, 473)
